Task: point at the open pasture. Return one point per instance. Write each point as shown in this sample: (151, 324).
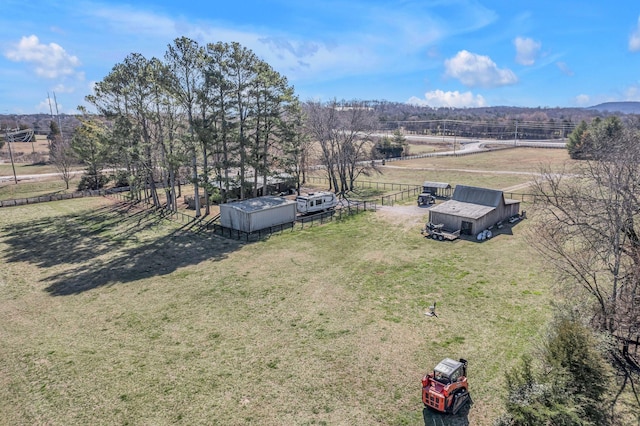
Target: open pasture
(24, 189)
(26, 169)
(509, 170)
(520, 159)
(110, 315)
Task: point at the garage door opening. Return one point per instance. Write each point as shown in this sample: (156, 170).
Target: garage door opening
(466, 228)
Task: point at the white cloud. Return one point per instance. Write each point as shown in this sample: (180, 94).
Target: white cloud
(61, 88)
(526, 50)
(477, 70)
(126, 19)
(363, 48)
(583, 100)
(629, 93)
(564, 68)
(634, 39)
(43, 107)
(50, 60)
(632, 93)
(455, 99)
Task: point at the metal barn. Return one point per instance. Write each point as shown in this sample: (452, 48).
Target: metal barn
(437, 189)
(257, 213)
(472, 210)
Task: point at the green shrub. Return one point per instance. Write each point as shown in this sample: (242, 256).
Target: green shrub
(92, 182)
(569, 387)
(120, 179)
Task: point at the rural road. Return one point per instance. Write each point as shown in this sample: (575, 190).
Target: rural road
(549, 143)
(465, 147)
(41, 176)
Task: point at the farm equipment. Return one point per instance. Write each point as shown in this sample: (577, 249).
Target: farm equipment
(445, 389)
(437, 232)
(426, 199)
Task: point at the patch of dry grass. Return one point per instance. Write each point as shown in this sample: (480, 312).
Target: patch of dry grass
(25, 189)
(519, 159)
(26, 169)
(510, 170)
(423, 148)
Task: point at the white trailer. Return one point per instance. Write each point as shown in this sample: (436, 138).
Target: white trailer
(257, 213)
(316, 202)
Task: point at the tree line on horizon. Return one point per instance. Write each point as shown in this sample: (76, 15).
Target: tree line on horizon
(391, 115)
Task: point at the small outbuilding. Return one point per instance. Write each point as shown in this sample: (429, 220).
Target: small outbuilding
(472, 210)
(259, 213)
(437, 189)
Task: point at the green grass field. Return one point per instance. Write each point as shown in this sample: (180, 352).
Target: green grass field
(109, 315)
(25, 189)
(496, 169)
(6, 169)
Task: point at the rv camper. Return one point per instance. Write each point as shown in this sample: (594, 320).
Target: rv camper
(316, 202)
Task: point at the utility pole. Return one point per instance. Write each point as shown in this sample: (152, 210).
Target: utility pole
(58, 115)
(454, 142)
(50, 112)
(515, 136)
(444, 130)
(13, 166)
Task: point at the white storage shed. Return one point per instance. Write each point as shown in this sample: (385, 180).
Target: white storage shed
(257, 213)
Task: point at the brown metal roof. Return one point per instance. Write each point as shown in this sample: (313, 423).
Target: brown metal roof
(472, 202)
(461, 209)
(442, 185)
(482, 196)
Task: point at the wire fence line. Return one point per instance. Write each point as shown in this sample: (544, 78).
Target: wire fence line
(436, 154)
(365, 183)
(409, 191)
(391, 199)
(405, 190)
(168, 213)
(299, 224)
(212, 224)
(58, 197)
(200, 224)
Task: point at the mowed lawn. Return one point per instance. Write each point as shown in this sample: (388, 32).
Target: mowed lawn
(109, 315)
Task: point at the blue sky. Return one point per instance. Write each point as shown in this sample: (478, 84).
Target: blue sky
(460, 53)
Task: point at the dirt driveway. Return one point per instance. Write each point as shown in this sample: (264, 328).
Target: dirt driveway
(408, 216)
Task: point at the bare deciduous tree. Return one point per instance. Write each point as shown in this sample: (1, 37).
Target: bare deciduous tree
(588, 231)
(296, 145)
(343, 132)
(61, 155)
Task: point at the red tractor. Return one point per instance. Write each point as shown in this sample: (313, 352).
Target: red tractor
(445, 389)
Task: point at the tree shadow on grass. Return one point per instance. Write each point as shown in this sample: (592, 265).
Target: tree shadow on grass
(111, 245)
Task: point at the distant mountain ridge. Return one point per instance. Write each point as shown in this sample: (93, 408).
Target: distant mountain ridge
(630, 107)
